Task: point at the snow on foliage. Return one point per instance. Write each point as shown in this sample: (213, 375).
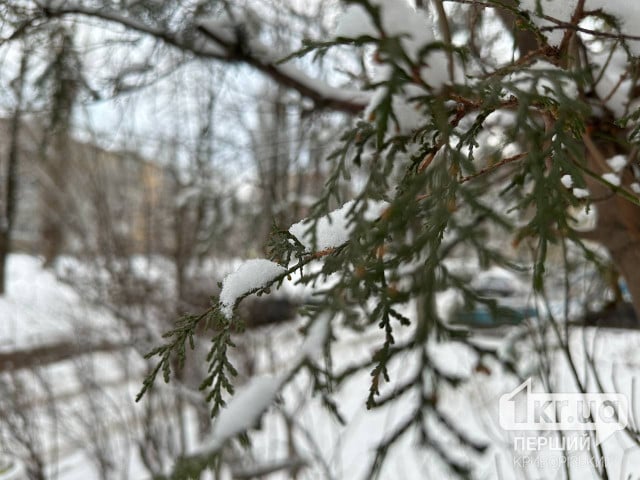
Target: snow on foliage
(528, 80)
(635, 186)
(355, 22)
(245, 409)
(614, 86)
(617, 162)
(567, 181)
(398, 18)
(250, 275)
(253, 399)
(609, 57)
(447, 303)
(612, 178)
(552, 8)
(333, 229)
(415, 29)
(580, 192)
(408, 116)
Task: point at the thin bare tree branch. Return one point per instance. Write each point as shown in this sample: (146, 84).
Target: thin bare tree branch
(207, 42)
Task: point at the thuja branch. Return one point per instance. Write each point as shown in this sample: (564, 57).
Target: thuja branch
(485, 171)
(615, 188)
(464, 107)
(174, 349)
(560, 25)
(172, 354)
(493, 167)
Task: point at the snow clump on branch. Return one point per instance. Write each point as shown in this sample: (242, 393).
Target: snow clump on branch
(617, 162)
(252, 274)
(243, 411)
(333, 229)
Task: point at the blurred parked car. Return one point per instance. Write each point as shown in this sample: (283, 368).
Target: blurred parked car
(508, 302)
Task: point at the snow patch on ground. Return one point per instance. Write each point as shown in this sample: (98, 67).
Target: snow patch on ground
(37, 308)
(346, 451)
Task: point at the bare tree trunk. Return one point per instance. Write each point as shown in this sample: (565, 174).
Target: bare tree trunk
(52, 193)
(11, 189)
(272, 156)
(618, 224)
(41, 355)
(66, 78)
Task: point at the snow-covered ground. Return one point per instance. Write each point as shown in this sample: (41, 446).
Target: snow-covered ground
(74, 407)
(474, 407)
(80, 408)
(37, 308)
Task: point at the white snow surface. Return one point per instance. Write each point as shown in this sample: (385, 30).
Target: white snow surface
(635, 186)
(37, 308)
(474, 407)
(250, 274)
(617, 162)
(335, 228)
(332, 450)
(567, 181)
(612, 178)
(40, 310)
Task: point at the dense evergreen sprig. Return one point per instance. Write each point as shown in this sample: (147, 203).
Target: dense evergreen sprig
(446, 192)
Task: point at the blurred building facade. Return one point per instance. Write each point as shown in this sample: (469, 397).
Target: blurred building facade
(96, 199)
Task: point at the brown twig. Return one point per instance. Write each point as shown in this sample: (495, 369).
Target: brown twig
(489, 169)
(493, 167)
